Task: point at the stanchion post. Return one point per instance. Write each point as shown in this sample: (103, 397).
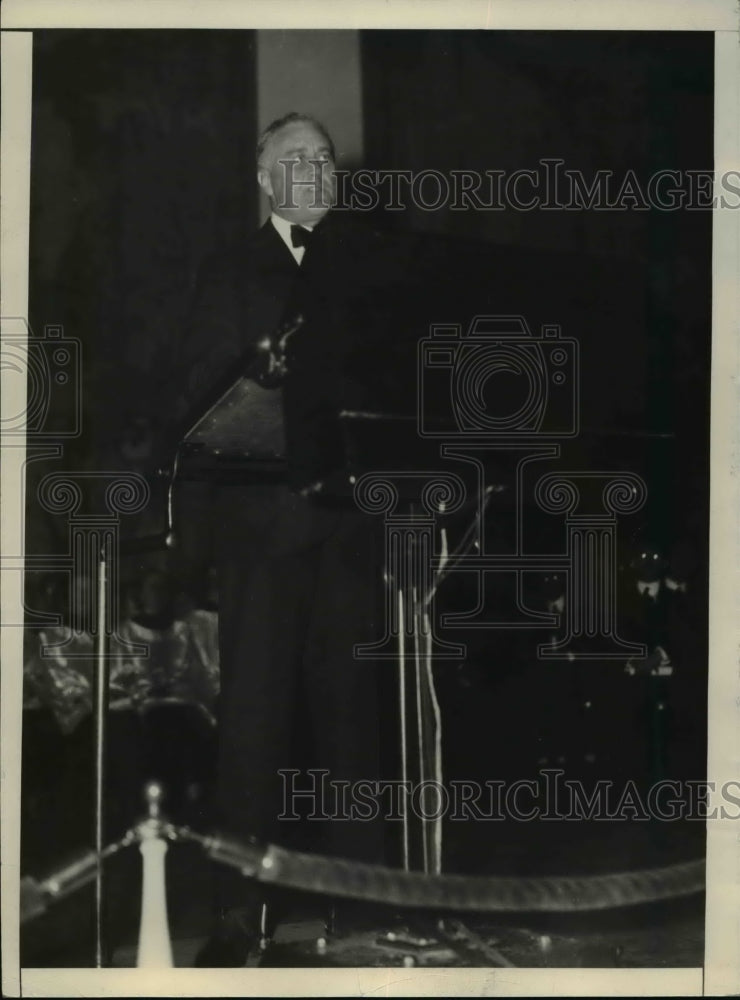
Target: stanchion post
(155, 945)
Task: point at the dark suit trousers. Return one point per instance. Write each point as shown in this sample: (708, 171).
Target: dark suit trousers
(300, 585)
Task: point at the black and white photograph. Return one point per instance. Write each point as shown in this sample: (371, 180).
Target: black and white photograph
(370, 561)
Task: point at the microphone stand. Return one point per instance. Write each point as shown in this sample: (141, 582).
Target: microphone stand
(100, 707)
(100, 713)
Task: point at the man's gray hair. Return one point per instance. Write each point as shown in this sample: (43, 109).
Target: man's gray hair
(289, 119)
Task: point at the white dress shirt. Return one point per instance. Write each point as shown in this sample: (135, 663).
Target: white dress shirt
(283, 228)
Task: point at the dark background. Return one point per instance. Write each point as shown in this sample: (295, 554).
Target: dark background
(143, 166)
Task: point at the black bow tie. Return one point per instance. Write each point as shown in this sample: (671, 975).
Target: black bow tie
(300, 237)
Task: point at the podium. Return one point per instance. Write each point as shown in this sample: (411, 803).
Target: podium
(235, 432)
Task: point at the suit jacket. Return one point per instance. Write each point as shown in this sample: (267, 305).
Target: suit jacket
(353, 290)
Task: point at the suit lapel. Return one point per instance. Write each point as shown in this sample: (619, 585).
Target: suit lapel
(268, 276)
(271, 251)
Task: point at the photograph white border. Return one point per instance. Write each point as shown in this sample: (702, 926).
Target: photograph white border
(721, 972)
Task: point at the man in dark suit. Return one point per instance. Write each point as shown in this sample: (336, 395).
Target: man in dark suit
(300, 579)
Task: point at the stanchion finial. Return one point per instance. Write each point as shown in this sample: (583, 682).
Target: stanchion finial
(153, 795)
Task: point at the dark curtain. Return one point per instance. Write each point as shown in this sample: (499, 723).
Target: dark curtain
(142, 166)
(634, 286)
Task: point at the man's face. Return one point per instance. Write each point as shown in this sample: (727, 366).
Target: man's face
(297, 173)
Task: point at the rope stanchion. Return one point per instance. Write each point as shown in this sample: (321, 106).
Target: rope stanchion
(314, 873)
(373, 883)
(36, 896)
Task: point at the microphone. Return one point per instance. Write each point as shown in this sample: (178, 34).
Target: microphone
(271, 365)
